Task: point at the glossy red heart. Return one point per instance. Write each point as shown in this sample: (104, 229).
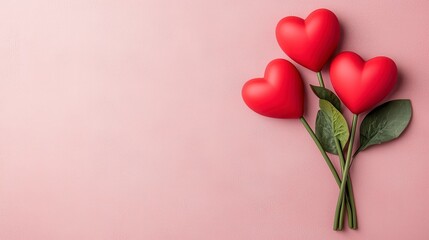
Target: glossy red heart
(359, 84)
(280, 94)
(312, 41)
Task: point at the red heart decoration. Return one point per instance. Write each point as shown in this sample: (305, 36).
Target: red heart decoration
(359, 84)
(280, 94)
(312, 41)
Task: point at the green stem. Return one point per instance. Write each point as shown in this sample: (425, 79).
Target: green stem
(351, 196)
(352, 218)
(319, 76)
(351, 208)
(345, 174)
(341, 156)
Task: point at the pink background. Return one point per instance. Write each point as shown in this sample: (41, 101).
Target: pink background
(124, 120)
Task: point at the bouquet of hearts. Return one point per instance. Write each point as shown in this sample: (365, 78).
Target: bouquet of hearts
(360, 85)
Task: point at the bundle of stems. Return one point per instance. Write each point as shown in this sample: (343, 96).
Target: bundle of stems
(346, 197)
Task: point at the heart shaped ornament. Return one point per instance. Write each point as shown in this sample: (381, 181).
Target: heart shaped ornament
(362, 84)
(280, 94)
(312, 41)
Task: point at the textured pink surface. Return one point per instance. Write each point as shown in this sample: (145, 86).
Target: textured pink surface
(124, 120)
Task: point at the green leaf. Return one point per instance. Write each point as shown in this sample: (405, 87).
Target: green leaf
(385, 123)
(331, 124)
(326, 94)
